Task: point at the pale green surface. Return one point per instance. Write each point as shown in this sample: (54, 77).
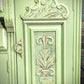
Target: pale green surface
(58, 67)
(44, 26)
(68, 61)
(4, 78)
(3, 39)
(69, 34)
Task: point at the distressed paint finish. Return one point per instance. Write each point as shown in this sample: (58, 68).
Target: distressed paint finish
(7, 42)
(69, 65)
(7, 62)
(7, 13)
(77, 40)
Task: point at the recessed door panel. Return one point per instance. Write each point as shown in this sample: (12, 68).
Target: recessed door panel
(43, 46)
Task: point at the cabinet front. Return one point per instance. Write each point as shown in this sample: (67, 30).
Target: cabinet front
(40, 41)
(44, 52)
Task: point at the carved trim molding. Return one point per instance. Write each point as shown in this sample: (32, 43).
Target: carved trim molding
(9, 25)
(7, 14)
(46, 9)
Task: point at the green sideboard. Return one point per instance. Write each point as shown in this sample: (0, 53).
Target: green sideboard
(40, 41)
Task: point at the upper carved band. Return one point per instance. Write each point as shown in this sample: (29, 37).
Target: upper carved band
(46, 9)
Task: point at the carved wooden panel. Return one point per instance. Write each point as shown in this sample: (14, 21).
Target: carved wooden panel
(44, 55)
(43, 43)
(46, 9)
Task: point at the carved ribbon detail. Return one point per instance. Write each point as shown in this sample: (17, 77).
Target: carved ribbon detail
(46, 61)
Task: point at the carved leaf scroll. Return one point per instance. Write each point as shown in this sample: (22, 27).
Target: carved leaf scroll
(46, 61)
(46, 9)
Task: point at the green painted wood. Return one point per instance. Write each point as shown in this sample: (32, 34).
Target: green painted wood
(13, 60)
(9, 52)
(7, 43)
(47, 75)
(45, 27)
(44, 20)
(4, 78)
(68, 58)
(3, 38)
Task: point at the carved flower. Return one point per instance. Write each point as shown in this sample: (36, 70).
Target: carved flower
(46, 61)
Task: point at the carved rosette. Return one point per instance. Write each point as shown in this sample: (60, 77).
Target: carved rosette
(46, 9)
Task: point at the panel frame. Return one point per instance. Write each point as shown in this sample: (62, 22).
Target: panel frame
(56, 30)
(28, 67)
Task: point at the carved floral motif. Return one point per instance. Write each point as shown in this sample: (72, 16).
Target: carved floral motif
(46, 9)
(46, 61)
